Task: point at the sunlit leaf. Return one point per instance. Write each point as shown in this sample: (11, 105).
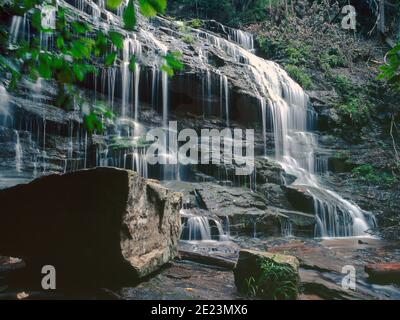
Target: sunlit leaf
(172, 59)
(80, 27)
(60, 42)
(150, 8)
(113, 4)
(117, 39)
(167, 69)
(129, 16)
(110, 58)
(79, 72)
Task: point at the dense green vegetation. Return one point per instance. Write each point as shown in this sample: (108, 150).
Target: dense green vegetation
(231, 12)
(368, 173)
(276, 281)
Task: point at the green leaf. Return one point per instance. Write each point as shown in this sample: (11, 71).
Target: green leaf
(57, 62)
(110, 58)
(132, 63)
(117, 39)
(113, 4)
(37, 19)
(395, 49)
(101, 39)
(172, 59)
(150, 8)
(167, 69)
(61, 22)
(100, 44)
(109, 114)
(80, 27)
(60, 42)
(79, 72)
(81, 48)
(129, 16)
(44, 70)
(90, 120)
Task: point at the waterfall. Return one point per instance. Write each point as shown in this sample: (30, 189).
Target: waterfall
(154, 81)
(164, 80)
(18, 152)
(286, 227)
(139, 162)
(126, 76)
(199, 227)
(242, 38)
(5, 115)
(137, 79)
(224, 84)
(294, 144)
(264, 124)
(280, 98)
(19, 29)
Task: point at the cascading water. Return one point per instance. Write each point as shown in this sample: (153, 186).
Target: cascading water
(198, 227)
(5, 116)
(225, 86)
(18, 152)
(243, 38)
(294, 144)
(286, 227)
(280, 98)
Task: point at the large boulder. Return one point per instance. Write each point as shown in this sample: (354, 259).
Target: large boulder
(96, 227)
(267, 275)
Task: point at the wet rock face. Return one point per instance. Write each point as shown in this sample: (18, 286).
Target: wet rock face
(300, 198)
(267, 275)
(96, 227)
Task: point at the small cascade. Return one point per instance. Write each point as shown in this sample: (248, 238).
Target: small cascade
(225, 89)
(201, 227)
(19, 29)
(154, 81)
(139, 162)
(337, 217)
(164, 80)
(208, 93)
(286, 227)
(126, 76)
(5, 116)
(242, 38)
(18, 152)
(264, 124)
(137, 80)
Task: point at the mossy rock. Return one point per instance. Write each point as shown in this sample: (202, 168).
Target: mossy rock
(267, 275)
